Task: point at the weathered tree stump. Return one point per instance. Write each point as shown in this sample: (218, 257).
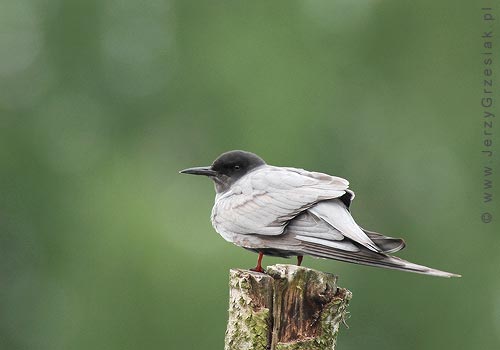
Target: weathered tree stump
(287, 308)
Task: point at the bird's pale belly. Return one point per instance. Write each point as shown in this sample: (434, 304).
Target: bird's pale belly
(246, 241)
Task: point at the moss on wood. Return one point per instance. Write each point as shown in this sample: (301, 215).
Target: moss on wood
(288, 308)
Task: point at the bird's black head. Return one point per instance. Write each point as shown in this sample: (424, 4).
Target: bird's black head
(228, 168)
(235, 164)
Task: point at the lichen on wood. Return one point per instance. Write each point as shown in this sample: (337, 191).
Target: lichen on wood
(250, 300)
(288, 308)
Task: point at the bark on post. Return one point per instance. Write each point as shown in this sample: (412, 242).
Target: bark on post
(250, 307)
(287, 308)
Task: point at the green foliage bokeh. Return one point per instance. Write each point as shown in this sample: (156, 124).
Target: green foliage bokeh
(103, 245)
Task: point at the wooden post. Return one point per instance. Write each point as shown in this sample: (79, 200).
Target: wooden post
(287, 308)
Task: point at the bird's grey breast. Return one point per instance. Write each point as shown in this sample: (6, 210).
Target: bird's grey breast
(219, 212)
(238, 210)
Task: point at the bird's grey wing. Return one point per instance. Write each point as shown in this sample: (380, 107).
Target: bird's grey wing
(309, 234)
(371, 258)
(335, 213)
(265, 200)
(308, 228)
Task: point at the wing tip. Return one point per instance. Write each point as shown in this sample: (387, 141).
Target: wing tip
(370, 258)
(439, 273)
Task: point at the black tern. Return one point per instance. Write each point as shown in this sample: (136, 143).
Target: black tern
(285, 212)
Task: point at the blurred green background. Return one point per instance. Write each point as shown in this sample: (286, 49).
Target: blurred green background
(103, 245)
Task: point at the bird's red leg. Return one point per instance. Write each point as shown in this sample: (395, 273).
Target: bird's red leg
(259, 268)
(299, 259)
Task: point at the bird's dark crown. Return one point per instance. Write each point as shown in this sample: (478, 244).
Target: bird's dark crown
(228, 168)
(235, 164)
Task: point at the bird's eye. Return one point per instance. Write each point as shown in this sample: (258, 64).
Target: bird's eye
(236, 167)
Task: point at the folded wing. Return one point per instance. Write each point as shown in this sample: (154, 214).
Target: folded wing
(265, 200)
(308, 234)
(336, 214)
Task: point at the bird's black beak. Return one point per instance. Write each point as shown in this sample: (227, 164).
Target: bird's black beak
(201, 170)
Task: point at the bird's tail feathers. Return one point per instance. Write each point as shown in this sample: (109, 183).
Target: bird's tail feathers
(372, 259)
(385, 243)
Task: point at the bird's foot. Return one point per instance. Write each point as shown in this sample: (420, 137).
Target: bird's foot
(259, 268)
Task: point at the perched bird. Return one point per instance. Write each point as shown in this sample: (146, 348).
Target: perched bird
(288, 212)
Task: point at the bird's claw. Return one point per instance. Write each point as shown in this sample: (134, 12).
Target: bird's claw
(258, 269)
